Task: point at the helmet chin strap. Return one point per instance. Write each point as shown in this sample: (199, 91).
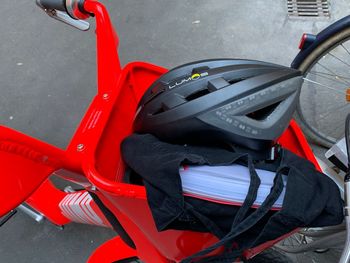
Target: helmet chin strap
(268, 155)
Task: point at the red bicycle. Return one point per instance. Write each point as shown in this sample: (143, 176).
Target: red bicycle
(93, 160)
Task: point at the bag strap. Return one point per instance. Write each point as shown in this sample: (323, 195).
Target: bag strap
(251, 195)
(248, 202)
(209, 224)
(229, 256)
(244, 225)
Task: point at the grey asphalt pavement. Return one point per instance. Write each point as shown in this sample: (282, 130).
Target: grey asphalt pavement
(47, 79)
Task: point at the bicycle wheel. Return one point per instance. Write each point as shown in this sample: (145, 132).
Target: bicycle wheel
(322, 106)
(315, 244)
(270, 255)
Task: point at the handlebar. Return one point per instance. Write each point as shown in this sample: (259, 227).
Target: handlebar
(52, 4)
(70, 12)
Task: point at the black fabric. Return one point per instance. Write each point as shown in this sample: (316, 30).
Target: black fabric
(311, 199)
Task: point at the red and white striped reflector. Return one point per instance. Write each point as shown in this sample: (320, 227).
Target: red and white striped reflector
(80, 207)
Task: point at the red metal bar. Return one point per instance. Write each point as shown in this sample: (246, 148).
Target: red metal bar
(46, 200)
(107, 46)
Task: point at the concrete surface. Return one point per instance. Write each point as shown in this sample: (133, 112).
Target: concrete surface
(47, 78)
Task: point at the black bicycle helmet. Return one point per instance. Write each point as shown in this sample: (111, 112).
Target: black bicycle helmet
(244, 102)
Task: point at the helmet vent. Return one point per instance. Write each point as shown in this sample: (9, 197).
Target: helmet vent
(197, 94)
(160, 110)
(233, 81)
(262, 114)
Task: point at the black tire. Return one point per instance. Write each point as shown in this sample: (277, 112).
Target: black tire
(305, 66)
(271, 255)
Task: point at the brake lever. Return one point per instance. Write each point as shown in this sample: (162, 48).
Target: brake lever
(65, 18)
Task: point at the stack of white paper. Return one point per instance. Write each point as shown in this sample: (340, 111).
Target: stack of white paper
(226, 184)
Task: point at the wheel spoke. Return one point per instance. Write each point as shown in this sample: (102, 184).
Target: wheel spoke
(342, 124)
(332, 111)
(345, 49)
(342, 61)
(336, 78)
(325, 86)
(328, 74)
(318, 63)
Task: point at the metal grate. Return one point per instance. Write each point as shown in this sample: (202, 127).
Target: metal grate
(308, 8)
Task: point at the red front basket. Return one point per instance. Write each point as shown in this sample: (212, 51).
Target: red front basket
(103, 166)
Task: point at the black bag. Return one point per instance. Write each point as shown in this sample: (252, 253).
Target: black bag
(311, 199)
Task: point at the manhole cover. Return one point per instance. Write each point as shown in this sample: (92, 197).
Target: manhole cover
(308, 8)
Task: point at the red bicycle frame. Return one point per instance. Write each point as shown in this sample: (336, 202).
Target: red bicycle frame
(93, 160)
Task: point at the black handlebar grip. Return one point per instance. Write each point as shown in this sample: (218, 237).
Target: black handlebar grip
(53, 4)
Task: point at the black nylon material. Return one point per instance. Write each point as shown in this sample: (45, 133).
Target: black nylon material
(311, 199)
